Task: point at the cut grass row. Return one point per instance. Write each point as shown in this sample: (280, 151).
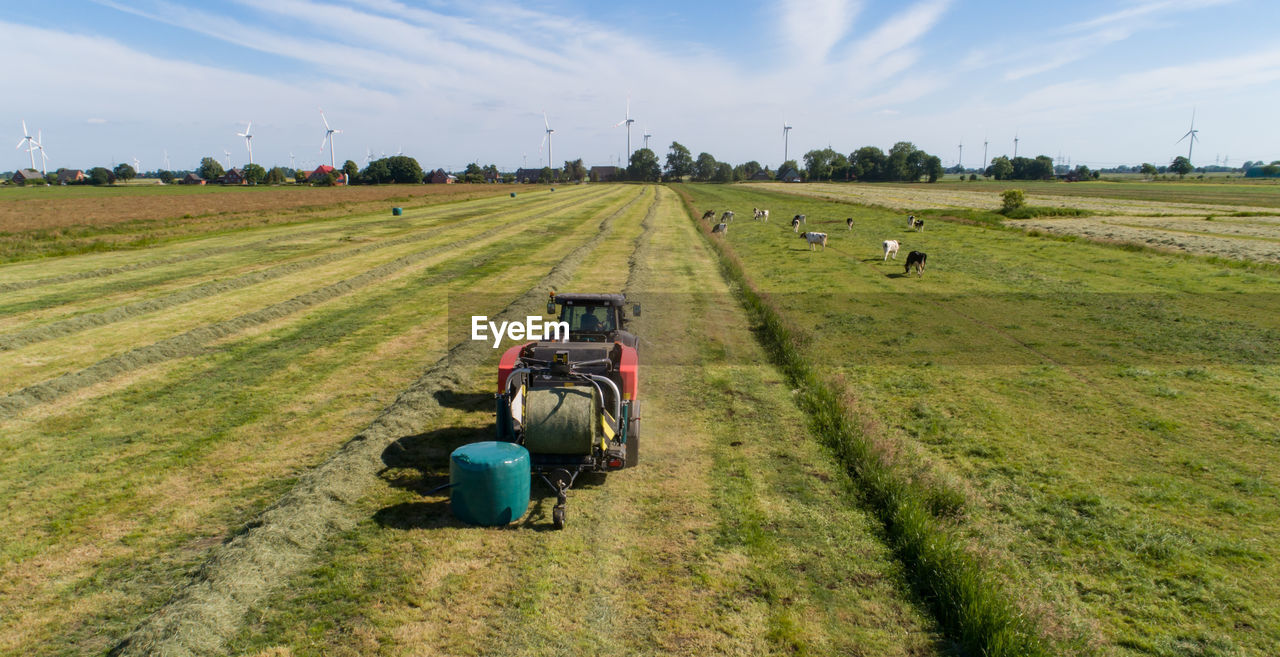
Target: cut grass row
(734, 535)
(238, 421)
(1108, 417)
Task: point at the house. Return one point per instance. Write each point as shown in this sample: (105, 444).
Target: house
(492, 176)
(234, 177)
(192, 179)
(439, 177)
(791, 176)
(762, 174)
(324, 170)
(23, 176)
(603, 173)
(69, 176)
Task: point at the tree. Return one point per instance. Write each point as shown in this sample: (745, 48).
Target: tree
(404, 169)
(817, 164)
(577, 171)
(349, 167)
(750, 168)
(724, 173)
(1149, 169)
(840, 169)
(546, 175)
(704, 168)
(101, 176)
(787, 168)
(868, 163)
(1181, 166)
(473, 173)
(210, 169)
(377, 173)
(124, 172)
(166, 177)
(255, 174)
(1012, 199)
(491, 172)
(933, 167)
(644, 166)
(1001, 168)
(276, 176)
(898, 166)
(679, 162)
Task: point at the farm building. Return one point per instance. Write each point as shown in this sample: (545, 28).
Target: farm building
(762, 174)
(791, 176)
(234, 177)
(23, 176)
(603, 173)
(69, 176)
(439, 177)
(524, 175)
(192, 179)
(324, 170)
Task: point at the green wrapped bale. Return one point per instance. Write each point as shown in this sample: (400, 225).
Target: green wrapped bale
(560, 420)
(397, 211)
(490, 483)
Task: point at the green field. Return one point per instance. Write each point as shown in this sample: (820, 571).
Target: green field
(1235, 191)
(225, 440)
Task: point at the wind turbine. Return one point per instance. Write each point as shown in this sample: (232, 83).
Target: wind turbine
(1015, 145)
(291, 160)
(30, 143)
(646, 137)
(786, 140)
(166, 160)
(985, 141)
(248, 139)
(44, 161)
(1190, 133)
(628, 121)
(226, 153)
(547, 138)
(137, 166)
(328, 137)
(960, 157)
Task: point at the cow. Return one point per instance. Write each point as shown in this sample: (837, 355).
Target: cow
(911, 221)
(721, 227)
(799, 218)
(761, 214)
(891, 249)
(815, 239)
(919, 225)
(795, 224)
(849, 222)
(708, 215)
(916, 259)
(726, 217)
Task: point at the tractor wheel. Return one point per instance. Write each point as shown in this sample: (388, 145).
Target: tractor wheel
(557, 517)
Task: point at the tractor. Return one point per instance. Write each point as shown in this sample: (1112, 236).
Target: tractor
(574, 404)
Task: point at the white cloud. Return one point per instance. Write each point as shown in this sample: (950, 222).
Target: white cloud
(814, 27)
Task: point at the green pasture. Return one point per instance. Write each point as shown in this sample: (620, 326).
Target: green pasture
(1108, 418)
(1217, 191)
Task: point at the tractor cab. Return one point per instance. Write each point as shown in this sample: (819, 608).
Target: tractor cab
(594, 317)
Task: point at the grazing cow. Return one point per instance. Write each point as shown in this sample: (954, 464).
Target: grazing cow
(916, 259)
(849, 222)
(800, 218)
(815, 239)
(891, 249)
(911, 221)
(919, 225)
(721, 227)
(761, 214)
(708, 215)
(795, 224)
(726, 217)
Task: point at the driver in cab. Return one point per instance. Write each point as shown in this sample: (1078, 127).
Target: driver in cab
(591, 320)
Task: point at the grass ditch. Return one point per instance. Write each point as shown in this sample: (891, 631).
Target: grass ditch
(72, 325)
(208, 610)
(969, 604)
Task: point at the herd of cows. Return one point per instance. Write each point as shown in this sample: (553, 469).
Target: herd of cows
(915, 259)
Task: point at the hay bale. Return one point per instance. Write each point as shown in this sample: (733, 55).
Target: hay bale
(560, 420)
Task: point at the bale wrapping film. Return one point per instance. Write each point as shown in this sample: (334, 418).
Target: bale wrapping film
(560, 420)
(490, 483)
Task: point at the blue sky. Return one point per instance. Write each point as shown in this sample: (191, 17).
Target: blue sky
(1100, 82)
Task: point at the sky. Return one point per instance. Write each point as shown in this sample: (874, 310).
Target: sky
(1100, 82)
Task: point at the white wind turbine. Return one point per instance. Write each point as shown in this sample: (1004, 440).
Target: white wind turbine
(646, 137)
(227, 154)
(137, 166)
(628, 121)
(546, 139)
(166, 161)
(1190, 133)
(248, 139)
(44, 161)
(786, 139)
(30, 143)
(329, 132)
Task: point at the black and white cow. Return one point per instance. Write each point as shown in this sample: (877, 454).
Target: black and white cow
(916, 259)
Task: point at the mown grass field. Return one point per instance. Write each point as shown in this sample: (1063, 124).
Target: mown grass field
(224, 441)
(166, 408)
(1102, 423)
(1236, 191)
